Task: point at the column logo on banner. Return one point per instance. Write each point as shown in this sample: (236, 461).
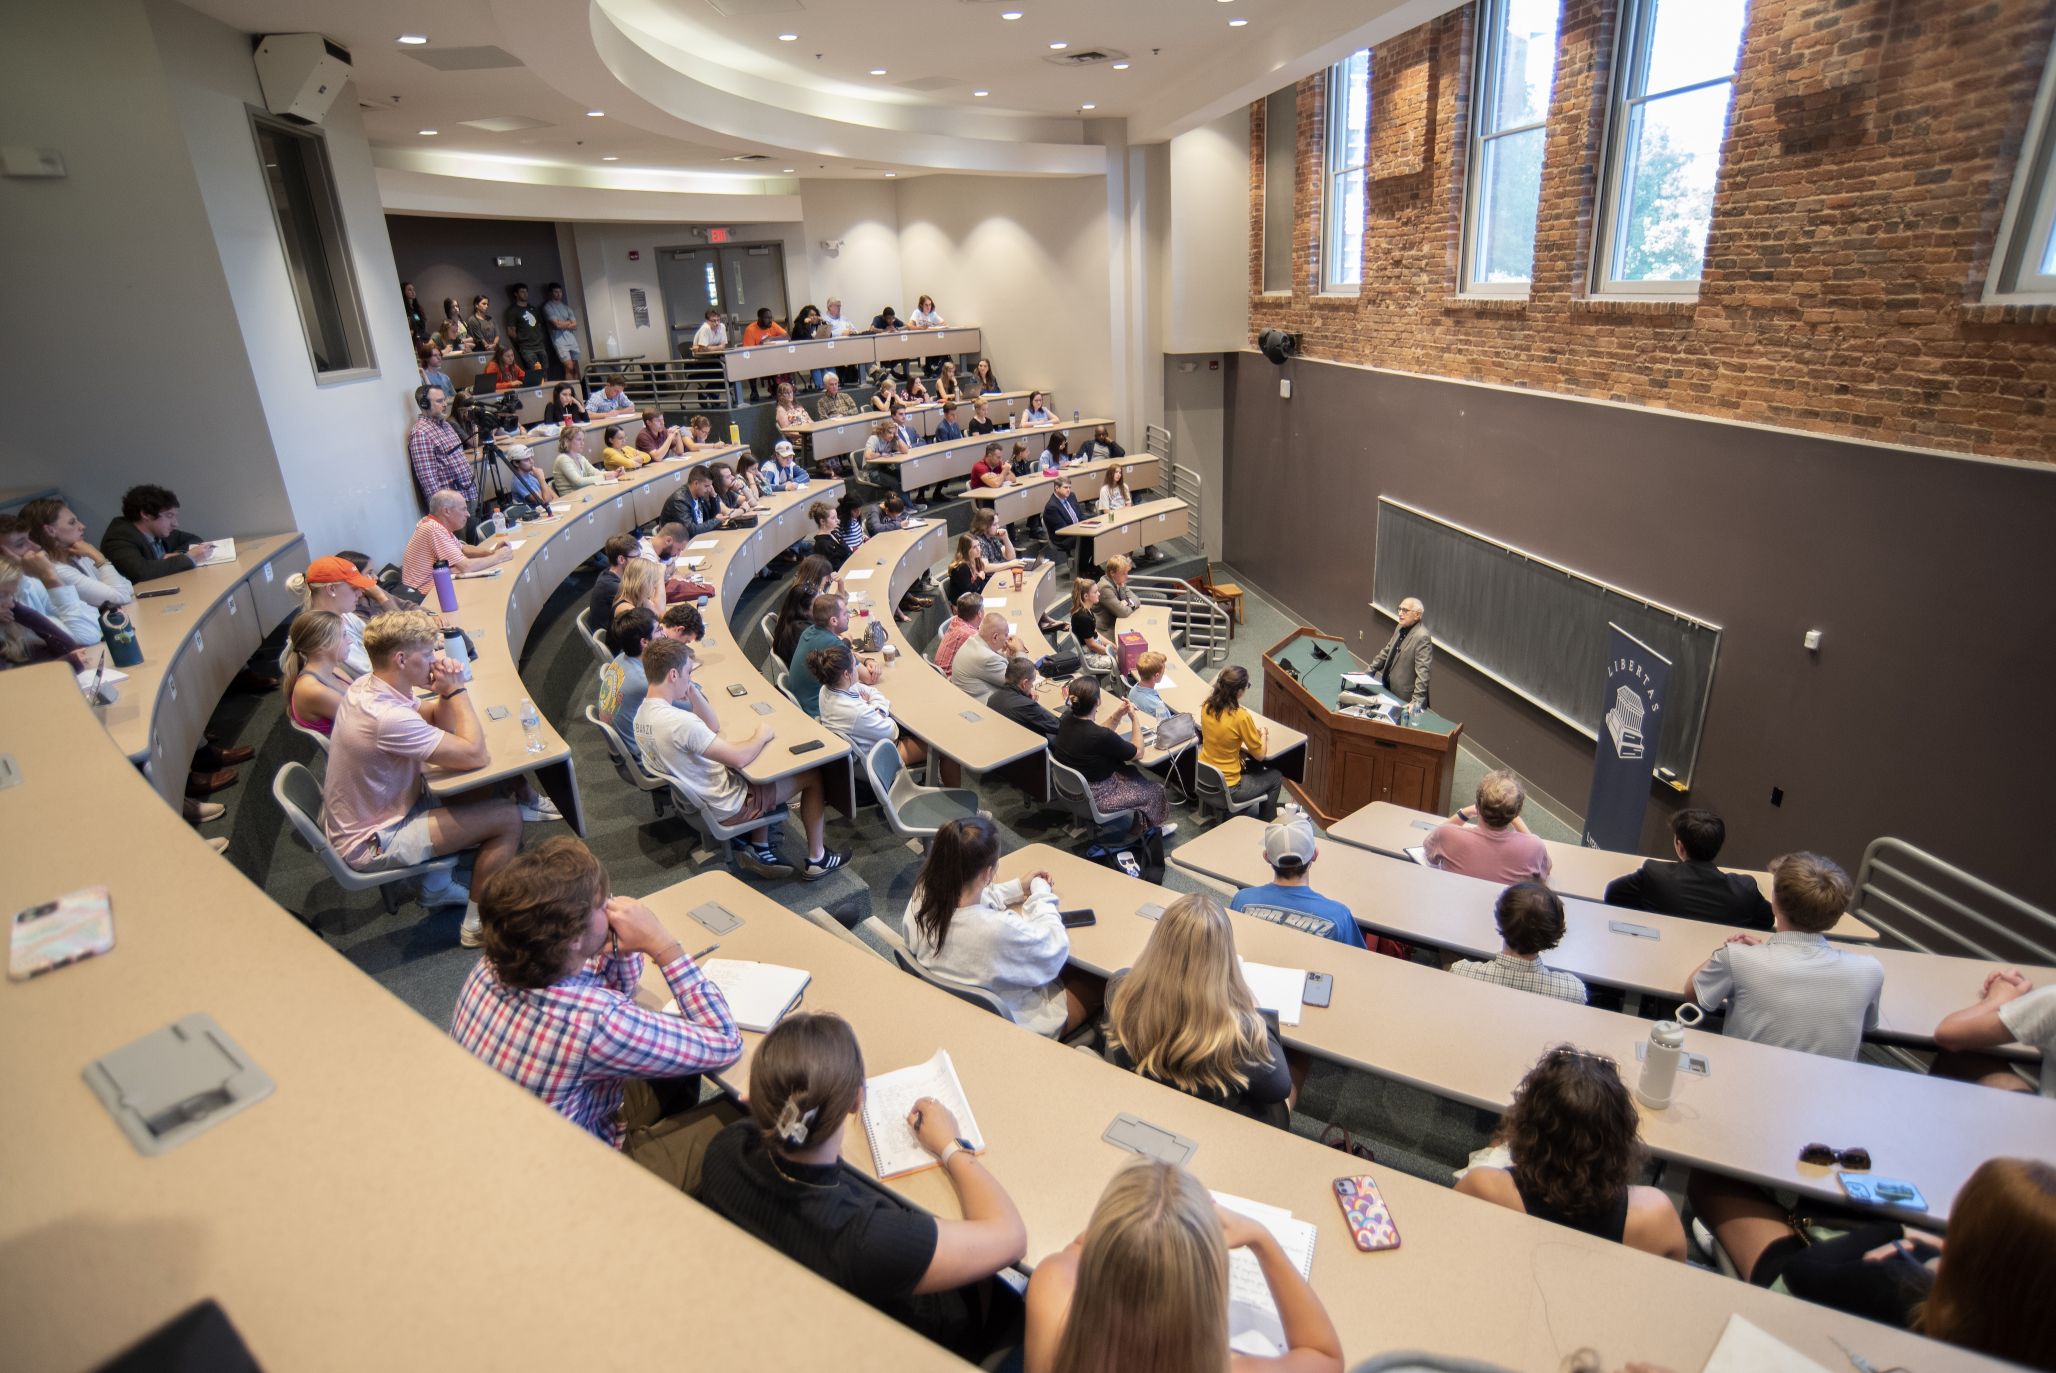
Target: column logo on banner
(1629, 733)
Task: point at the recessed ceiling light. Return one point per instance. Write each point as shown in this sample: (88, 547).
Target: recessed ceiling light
(1121, 66)
(981, 94)
(594, 114)
(877, 71)
(413, 40)
(1088, 107)
(1058, 47)
(1237, 23)
(788, 38)
(892, 173)
(1010, 14)
(610, 159)
(788, 171)
(428, 133)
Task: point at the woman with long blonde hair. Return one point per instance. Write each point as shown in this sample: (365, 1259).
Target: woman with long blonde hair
(1146, 1287)
(25, 635)
(314, 672)
(642, 587)
(1184, 1016)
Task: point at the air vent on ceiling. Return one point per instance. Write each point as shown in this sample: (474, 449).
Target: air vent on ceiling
(505, 123)
(1088, 57)
(748, 157)
(464, 59)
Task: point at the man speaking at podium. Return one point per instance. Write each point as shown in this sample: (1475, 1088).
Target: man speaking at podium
(1403, 663)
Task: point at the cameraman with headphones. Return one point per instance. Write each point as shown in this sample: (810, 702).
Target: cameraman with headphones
(438, 455)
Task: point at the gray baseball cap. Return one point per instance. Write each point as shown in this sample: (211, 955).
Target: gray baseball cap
(1289, 840)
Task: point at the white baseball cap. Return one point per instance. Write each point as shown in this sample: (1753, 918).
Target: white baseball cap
(1289, 840)
(783, 448)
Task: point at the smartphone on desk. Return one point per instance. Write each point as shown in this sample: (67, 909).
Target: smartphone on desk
(68, 930)
(1363, 1208)
(1078, 919)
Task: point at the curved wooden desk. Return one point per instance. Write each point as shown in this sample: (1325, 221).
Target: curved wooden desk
(1026, 496)
(1043, 1108)
(194, 642)
(941, 462)
(1574, 870)
(1399, 897)
(833, 438)
(1473, 1041)
(1132, 530)
(393, 1204)
(852, 350)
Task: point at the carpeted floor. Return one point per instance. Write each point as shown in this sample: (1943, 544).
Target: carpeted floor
(416, 955)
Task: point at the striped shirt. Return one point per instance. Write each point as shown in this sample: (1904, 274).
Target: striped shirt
(1523, 975)
(1794, 990)
(575, 1042)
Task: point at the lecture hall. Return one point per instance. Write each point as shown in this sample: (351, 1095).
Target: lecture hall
(1344, 686)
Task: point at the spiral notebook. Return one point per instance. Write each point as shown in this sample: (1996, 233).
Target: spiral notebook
(889, 1096)
(1254, 1326)
(758, 994)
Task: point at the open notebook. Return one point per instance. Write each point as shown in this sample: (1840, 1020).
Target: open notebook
(224, 552)
(1276, 989)
(1254, 1326)
(759, 994)
(889, 1096)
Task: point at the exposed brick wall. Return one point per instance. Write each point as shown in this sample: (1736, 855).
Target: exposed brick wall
(1869, 154)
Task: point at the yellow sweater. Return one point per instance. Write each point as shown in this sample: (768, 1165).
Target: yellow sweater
(622, 459)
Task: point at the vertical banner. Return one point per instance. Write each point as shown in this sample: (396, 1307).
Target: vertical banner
(1629, 733)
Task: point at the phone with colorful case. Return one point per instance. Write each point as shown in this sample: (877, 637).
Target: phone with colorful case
(1370, 1224)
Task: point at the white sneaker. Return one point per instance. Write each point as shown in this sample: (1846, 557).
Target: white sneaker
(471, 934)
(541, 808)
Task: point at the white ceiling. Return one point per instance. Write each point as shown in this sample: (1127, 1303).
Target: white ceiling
(688, 85)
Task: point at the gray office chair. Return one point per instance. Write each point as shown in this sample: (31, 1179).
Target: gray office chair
(320, 739)
(592, 639)
(299, 795)
(784, 683)
(1212, 789)
(913, 810)
(719, 833)
(962, 991)
(1069, 787)
(632, 771)
(873, 930)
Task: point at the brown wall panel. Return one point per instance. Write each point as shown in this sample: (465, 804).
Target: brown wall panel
(1927, 713)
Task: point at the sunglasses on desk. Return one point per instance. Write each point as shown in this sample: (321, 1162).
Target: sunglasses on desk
(1827, 1156)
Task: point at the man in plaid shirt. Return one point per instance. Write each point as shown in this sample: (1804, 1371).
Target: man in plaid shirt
(436, 451)
(552, 1005)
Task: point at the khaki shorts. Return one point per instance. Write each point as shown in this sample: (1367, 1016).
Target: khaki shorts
(763, 800)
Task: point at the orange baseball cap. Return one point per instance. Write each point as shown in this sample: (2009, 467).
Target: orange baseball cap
(338, 570)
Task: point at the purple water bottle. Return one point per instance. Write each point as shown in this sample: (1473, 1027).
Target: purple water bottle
(445, 585)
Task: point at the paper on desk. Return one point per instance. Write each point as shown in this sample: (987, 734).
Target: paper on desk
(468, 576)
(108, 677)
(224, 552)
(697, 560)
(704, 543)
(862, 574)
(1254, 1326)
(995, 602)
(1746, 1348)
(1276, 989)
(515, 543)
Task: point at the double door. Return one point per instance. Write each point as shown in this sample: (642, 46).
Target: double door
(737, 279)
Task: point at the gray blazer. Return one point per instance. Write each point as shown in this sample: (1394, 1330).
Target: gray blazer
(1405, 669)
(1114, 606)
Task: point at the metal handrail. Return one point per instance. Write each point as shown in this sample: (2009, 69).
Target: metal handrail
(1900, 892)
(1196, 618)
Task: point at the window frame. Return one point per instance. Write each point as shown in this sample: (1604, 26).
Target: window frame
(354, 326)
(1280, 282)
(1492, 18)
(1631, 67)
(2026, 228)
(1333, 174)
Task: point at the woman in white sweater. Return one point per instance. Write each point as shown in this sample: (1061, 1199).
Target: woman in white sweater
(859, 713)
(962, 925)
(78, 564)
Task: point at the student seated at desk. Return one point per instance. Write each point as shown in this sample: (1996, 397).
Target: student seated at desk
(797, 613)
(965, 613)
(1101, 445)
(1015, 699)
(1106, 759)
(947, 430)
(2009, 1010)
(1093, 646)
(886, 396)
(27, 635)
(505, 369)
(948, 386)
(1146, 1287)
(642, 588)
(680, 738)
(1572, 1149)
(962, 925)
(658, 439)
(525, 484)
(835, 403)
(1115, 602)
(622, 684)
(828, 544)
(1149, 671)
(551, 1005)
(980, 664)
(375, 811)
(1227, 731)
(435, 540)
(564, 407)
(1038, 411)
(1985, 1288)
(995, 545)
(830, 613)
(984, 381)
(428, 360)
(730, 489)
(610, 399)
(849, 521)
(779, 1175)
(786, 414)
(1530, 918)
(699, 434)
(1693, 887)
(990, 472)
(783, 472)
(982, 421)
(1289, 897)
(574, 471)
(43, 590)
(599, 606)
(967, 570)
(1500, 847)
(85, 569)
(1184, 1016)
(1059, 453)
(144, 542)
(335, 584)
(855, 709)
(1059, 513)
(315, 676)
(683, 623)
(916, 392)
(1795, 989)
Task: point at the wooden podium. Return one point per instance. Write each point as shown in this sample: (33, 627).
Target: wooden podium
(1352, 760)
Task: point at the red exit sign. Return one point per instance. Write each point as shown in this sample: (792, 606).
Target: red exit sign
(717, 235)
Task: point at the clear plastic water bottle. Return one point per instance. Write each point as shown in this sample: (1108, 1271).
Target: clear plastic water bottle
(531, 726)
(1074, 417)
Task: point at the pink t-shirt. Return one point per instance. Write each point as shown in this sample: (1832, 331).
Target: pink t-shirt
(375, 755)
(953, 636)
(1505, 855)
(431, 540)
